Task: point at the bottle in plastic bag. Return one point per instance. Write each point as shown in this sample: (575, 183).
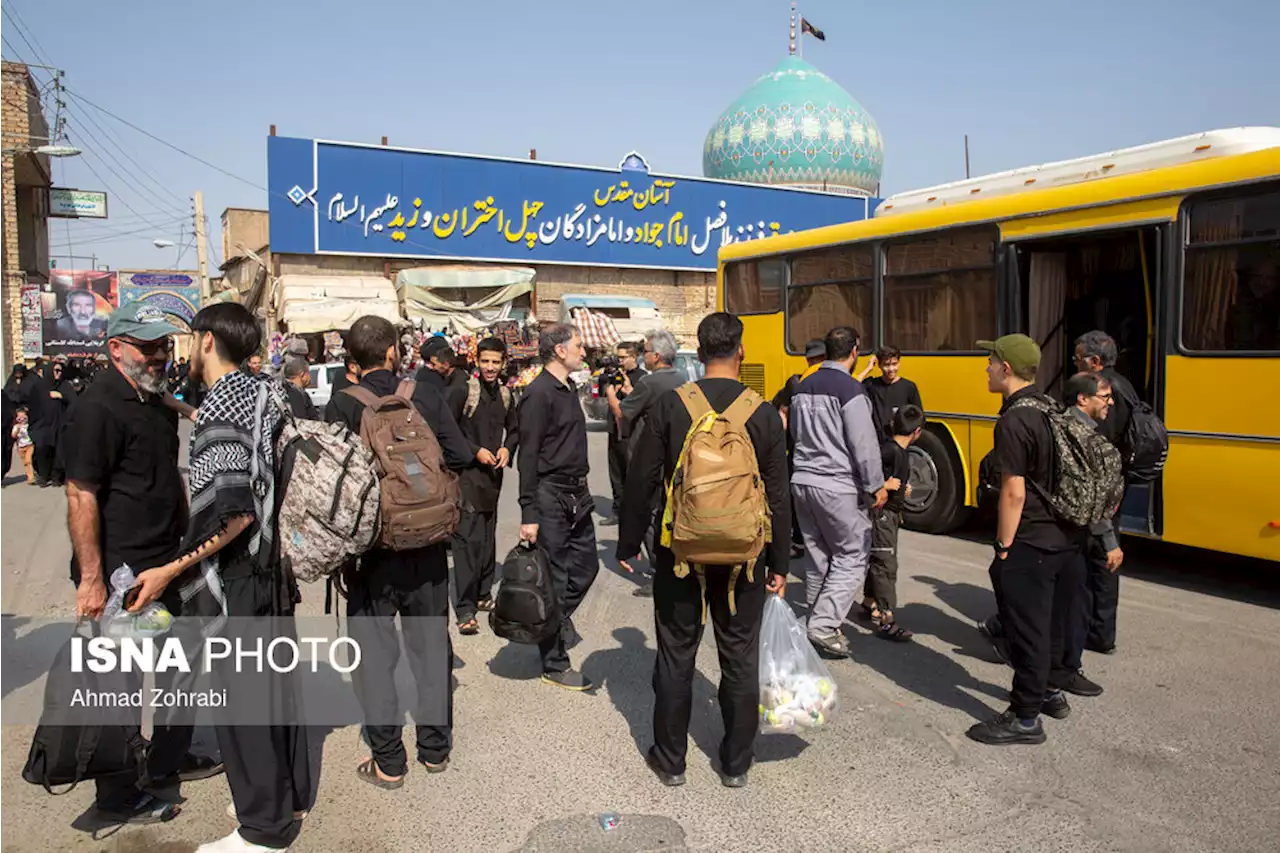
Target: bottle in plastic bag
(151, 621)
(796, 688)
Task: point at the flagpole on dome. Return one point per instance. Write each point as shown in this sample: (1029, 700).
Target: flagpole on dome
(792, 46)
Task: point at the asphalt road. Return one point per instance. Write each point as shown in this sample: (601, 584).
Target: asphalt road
(1180, 754)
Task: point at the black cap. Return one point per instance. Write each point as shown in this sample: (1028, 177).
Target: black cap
(815, 349)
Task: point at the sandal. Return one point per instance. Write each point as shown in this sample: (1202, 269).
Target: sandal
(484, 604)
(894, 632)
(870, 612)
(470, 628)
(367, 770)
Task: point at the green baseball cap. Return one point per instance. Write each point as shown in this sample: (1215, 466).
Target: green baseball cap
(1020, 351)
(140, 321)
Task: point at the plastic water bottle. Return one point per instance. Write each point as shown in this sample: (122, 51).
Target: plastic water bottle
(609, 821)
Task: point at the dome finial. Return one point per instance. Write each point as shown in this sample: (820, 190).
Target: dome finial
(792, 46)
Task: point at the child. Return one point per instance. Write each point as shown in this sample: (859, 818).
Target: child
(882, 579)
(25, 448)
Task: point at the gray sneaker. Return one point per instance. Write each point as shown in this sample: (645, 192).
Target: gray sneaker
(832, 645)
(570, 679)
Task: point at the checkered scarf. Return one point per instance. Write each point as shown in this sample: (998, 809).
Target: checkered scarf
(232, 473)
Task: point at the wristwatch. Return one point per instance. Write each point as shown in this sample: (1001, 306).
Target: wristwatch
(1000, 547)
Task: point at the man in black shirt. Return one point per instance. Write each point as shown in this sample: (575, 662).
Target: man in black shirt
(126, 504)
(297, 376)
(555, 501)
(440, 371)
(487, 418)
(1096, 352)
(889, 391)
(615, 393)
(660, 350)
(1037, 568)
(413, 584)
(678, 601)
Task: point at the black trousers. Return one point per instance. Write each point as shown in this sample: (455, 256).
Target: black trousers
(43, 461)
(1039, 594)
(268, 766)
(567, 536)
(617, 466)
(1102, 597)
(882, 570)
(475, 551)
(677, 615)
(415, 585)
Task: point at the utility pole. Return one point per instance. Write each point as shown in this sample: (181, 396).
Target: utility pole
(202, 248)
(966, 156)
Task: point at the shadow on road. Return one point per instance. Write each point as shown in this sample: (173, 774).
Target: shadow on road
(626, 674)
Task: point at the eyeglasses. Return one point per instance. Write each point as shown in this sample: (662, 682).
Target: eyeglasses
(1106, 398)
(149, 348)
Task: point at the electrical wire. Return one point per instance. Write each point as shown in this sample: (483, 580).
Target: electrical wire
(108, 138)
(20, 22)
(89, 165)
(82, 99)
(23, 35)
(116, 235)
(151, 196)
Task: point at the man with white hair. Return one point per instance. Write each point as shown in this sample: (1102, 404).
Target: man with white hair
(659, 359)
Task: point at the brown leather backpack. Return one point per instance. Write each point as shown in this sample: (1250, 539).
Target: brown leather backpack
(420, 498)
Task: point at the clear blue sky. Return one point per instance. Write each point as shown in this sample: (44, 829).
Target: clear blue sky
(585, 82)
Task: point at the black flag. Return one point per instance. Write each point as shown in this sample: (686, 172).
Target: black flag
(806, 27)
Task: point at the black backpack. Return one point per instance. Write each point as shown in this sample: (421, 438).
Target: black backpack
(1145, 444)
(525, 609)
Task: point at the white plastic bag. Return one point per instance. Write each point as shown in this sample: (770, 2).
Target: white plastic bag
(796, 688)
(151, 621)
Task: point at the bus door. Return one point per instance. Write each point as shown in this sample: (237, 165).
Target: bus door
(1067, 284)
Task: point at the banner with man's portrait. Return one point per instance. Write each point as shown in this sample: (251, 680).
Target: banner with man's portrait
(75, 305)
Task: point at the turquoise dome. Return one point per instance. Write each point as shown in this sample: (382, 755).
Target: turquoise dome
(796, 127)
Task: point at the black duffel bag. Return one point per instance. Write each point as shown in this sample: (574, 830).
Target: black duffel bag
(525, 609)
(74, 742)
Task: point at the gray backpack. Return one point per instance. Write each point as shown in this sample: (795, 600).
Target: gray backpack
(329, 497)
(1087, 482)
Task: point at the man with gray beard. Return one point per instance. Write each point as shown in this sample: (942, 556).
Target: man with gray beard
(126, 504)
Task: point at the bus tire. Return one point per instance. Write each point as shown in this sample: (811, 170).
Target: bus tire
(935, 505)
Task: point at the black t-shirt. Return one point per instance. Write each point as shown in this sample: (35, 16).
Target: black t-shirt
(889, 398)
(553, 438)
(126, 446)
(1024, 448)
(897, 463)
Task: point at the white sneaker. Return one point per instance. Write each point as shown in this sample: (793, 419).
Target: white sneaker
(298, 815)
(235, 843)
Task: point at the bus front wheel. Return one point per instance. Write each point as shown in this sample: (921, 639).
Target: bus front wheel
(934, 504)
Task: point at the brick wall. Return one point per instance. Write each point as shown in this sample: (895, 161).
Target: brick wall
(21, 118)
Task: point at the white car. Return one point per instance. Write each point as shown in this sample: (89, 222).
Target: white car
(322, 378)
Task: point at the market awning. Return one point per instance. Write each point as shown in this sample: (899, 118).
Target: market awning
(597, 330)
(467, 298)
(315, 303)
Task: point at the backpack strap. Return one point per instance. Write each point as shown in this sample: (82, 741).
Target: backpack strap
(695, 402)
(406, 388)
(364, 395)
(473, 397)
(741, 409)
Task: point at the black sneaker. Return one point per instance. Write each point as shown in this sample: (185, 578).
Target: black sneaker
(645, 590)
(739, 781)
(1055, 705)
(1101, 649)
(1005, 729)
(570, 679)
(137, 808)
(832, 645)
(991, 629)
(671, 780)
(1080, 685)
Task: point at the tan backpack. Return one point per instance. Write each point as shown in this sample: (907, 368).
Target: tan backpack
(717, 511)
(473, 397)
(420, 498)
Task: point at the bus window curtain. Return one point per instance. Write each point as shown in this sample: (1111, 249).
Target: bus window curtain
(1210, 278)
(1047, 301)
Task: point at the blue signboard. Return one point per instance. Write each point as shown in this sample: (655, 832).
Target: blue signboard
(172, 293)
(350, 199)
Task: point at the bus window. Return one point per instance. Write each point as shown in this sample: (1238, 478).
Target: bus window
(829, 288)
(1231, 278)
(754, 287)
(940, 291)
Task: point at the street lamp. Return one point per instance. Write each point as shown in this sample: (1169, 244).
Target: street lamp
(58, 150)
(163, 244)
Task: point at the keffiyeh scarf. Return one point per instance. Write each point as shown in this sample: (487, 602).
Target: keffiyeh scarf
(232, 473)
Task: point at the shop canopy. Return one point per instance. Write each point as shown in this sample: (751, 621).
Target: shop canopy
(316, 303)
(597, 330)
(465, 298)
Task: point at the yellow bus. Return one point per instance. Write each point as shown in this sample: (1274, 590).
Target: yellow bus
(1171, 248)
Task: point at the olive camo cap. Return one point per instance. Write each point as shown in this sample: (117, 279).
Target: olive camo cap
(140, 321)
(1020, 351)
